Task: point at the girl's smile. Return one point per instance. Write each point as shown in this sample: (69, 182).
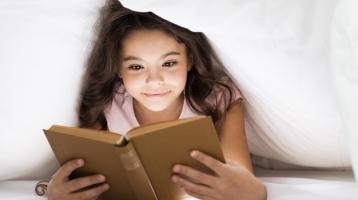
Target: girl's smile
(156, 95)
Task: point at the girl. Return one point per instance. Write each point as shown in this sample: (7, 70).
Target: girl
(144, 69)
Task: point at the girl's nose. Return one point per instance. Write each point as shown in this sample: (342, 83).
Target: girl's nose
(155, 77)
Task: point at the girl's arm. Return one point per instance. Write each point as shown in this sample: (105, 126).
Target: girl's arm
(233, 137)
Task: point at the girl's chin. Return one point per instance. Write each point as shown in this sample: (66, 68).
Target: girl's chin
(156, 107)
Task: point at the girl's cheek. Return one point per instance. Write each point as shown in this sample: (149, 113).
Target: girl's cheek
(133, 82)
(179, 78)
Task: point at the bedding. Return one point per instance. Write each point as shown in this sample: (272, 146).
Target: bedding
(344, 63)
(282, 185)
(294, 61)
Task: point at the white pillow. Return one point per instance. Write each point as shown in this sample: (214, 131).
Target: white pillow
(42, 53)
(344, 58)
(284, 72)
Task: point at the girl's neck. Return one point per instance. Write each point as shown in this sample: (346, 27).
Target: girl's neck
(146, 116)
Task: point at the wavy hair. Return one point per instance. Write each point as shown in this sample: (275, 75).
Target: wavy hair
(100, 81)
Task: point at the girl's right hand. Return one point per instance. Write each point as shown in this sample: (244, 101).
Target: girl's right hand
(62, 188)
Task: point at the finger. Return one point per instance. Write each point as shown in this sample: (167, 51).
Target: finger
(83, 182)
(198, 196)
(197, 176)
(95, 198)
(65, 170)
(208, 161)
(91, 193)
(193, 187)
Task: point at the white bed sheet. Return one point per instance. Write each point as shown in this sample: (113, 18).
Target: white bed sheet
(309, 185)
(281, 185)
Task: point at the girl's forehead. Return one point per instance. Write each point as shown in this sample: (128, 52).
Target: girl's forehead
(139, 32)
(148, 35)
(150, 41)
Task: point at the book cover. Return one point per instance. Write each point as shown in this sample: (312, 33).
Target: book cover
(137, 164)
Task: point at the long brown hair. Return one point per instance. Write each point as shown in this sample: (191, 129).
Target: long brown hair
(100, 81)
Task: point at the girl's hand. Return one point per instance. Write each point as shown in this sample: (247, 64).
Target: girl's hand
(61, 188)
(230, 182)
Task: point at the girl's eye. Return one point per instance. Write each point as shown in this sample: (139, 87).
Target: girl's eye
(135, 67)
(170, 63)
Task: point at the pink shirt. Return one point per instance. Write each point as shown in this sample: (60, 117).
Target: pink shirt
(120, 113)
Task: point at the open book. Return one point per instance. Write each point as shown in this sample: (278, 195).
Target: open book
(139, 164)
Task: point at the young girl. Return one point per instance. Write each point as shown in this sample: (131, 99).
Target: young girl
(144, 69)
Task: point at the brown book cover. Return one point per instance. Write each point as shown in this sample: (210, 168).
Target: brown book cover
(139, 164)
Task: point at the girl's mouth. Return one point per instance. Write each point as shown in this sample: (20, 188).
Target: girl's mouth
(156, 94)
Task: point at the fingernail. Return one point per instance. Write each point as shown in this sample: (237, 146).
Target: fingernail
(80, 162)
(194, 153)
(101, 178)
(106, 187)
(176, 168)
(174, 179)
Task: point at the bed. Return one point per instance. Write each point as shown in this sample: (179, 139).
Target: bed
(294, 61)
(282, 185)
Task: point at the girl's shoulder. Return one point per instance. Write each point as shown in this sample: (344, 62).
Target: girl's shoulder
(235, 89)
(220, 96)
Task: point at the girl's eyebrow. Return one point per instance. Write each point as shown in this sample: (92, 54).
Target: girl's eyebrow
(161, 57)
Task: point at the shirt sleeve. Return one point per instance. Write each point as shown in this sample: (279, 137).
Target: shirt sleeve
(219, 97)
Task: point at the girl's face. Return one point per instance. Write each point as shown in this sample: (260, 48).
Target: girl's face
(154, 68)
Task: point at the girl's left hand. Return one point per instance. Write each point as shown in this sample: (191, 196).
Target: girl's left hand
(230, 182)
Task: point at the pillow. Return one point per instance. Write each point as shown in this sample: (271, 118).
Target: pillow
(344, 59)
(42, 53)
(276, 51)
